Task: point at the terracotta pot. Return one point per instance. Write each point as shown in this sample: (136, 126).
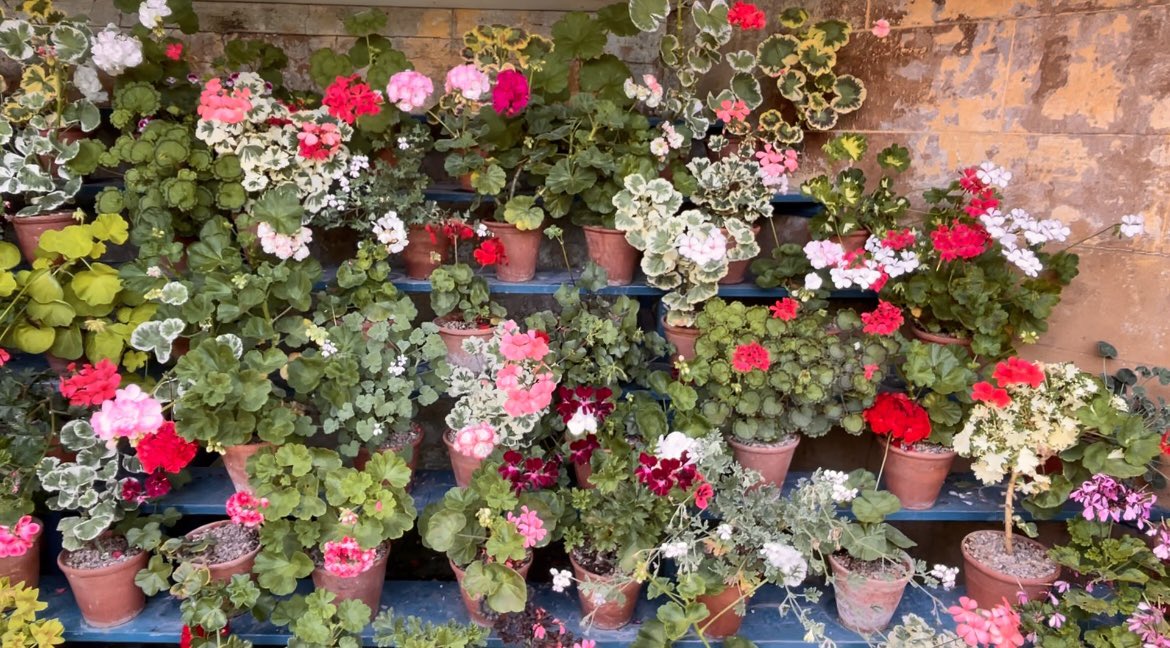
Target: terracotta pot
(937, 338)
(224, 571)
(520, 251)
(454, 337)
(473, 605)
(989, 586)
(365, 587)
(916, 478)
(235, 459)
(29, 230)
(771, 461)
(465, 182)
(107, 596)
(609, 249)
(683, 339)
(606, 614)
(866, 605)
(722, 620)
(736, 270)
(583, 472)
(420, 250)
(363, 456)
(462, 465)
(25, 568)
(852, 241)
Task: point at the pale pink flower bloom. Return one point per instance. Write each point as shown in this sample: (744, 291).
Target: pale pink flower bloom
(409, 90)
(523, 346)
(881, 28)
(476, 440)
(824, 254)
(469, 81)
(508, 378)
(219, 104)
(131, 414)
(244, 509)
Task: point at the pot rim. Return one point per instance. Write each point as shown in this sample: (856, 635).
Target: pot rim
(442, 322)
(907, 562)
(59, 215)
(1039, 580)
(769, 448)
(949, 454)
(604, 230)
(234, 561)
(121, 565)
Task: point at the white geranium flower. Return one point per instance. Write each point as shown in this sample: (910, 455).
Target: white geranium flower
(152, 12)
(724, 531)
(674, 445)
(991, 174)
(813, 281)
(674, 549)
(823, 254)
(787, 561)
(945, 575)
(87, 82)
(561, 579)
(1133, 225)
(391, 232)
(581, 423)
(114, 52)
(660, 147)
(702, 249)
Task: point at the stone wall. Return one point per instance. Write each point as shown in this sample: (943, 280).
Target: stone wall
(1072, 95)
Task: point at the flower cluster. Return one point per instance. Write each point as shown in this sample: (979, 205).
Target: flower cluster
(318, 141)
(1105, 499)
(131, 414)
(746, 16)
(91, 385)
(246, 510)
(1150, 625)
(18, 539)
(584, 408)
(650, 91)
(785, 309)
(409, 90)
(477, 440)
(489, 252)
(747, 357)
(115, 52)
(846, 269)
(669, 140)
(959, 241)
(391, 232)
(469, 81)
(345, 558)
(284, 246)
(165, 450)
(775, 166)
(510, 96)
(347, 99)
(702, 247)
(886, 319)
(532, 473)
(529, 525)
(998, 627)
(661, 474)
(152, 12)
(788, 563)
(730, 111)
(581, 450)
(138, 491)
(898, 417)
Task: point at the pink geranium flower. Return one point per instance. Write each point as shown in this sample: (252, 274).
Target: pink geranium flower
(131, 414)
(246, 510)
(476, 440)
(346, 558)
(220, 104)
(529, 525)
(18, 539)
(529, 345)
(510, 96)
(409, 90)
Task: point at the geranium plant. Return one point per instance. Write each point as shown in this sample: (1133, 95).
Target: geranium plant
(458, 294)
(847, 206)
(27, 411)
(412, 632)
(938, 380)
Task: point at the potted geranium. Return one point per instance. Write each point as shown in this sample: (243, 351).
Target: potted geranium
(488, 531)
(329, 521)
(461, 299)
(768, 375)
(501, 404)
(732, 192)
(46, 117)
(918, 424)
(103, 551)
(26, 412)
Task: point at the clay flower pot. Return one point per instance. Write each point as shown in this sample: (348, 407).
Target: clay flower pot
(609, 249)
(29, 230)
(865, 604)
(520, 251)
(421, 249)
(771, 461)
(722, 620)
(937, 338)
(989, 585)
(235, 459)
(916, 478)
(25, 568)
(462, 465)
(736, 270)
(107, 596)
(683, 339)
(606, 614)
(473, 605)
(453, 337)
(365, 587)
(224, 571)
(852, 241)
(415, 443)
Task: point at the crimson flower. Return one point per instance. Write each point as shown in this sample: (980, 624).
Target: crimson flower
(157, 485)
(456, 231)
(174, 51)
(4, 357)
(785, 309)
(959, 241)
(590, 400)
(981, 204)
(886, 319)
(750, 356)
(165, 450)
(1015, 371)
(970, 182)
(1166, 442)
(988, 393)
(746, 16)
(510, 96)
(661, 475)
(130, 490)
(898, 417)
(581, 450)
(490, 252)
(532, 473)
(347, 99)
(91, 385)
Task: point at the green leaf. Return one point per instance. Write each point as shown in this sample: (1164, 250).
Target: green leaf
(489, 181)
(647, 15)
(1106, 350)
(524, 213)
(365, 23)
(578, 36)
(565, 177)
(97, 286)
(850, 146)
(872, 507)
(894, 157)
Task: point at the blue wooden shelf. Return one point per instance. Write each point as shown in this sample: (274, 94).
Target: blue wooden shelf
(963, 498)
(795, 204)
(439, 601)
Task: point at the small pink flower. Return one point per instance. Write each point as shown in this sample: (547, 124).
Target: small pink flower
(732, 111)
(246, 510)
(529, 525)
(869, 370)
(585, 643)
(220, 104)
(18, 539)
(538, 631)
(468, 81)
(476, 440)
(409, 90)
(132, 414)
(881, 28)
(346, 559)
(530, 345)
(508, 377)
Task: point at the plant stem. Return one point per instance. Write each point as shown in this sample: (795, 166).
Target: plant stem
(885, 455)
(1007, 513)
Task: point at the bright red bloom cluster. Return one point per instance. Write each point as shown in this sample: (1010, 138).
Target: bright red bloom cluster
(661, 475)
(981, 204)
(581, 450)
(1015, 371)
(165, 450)
(510, 96)
(970, 182)
(785, 309)
(91, 385)
(898, 239)
(746, 16)
(490, 252)
(533, 473)
(590, 400)
(347, 99)
(886, 319)
(960, 241)
(750, 356)
(174, 51)
(898, 417)
(988, 393)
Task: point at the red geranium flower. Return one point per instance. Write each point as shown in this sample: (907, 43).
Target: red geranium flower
(750, 356)
(157, 485)
(988, 393)
(165, 450)
(703, 495)
(581, 450)
(130, 490)
(661, 475)
(981, 204)
(532, 473)
(746, 16)
(785, 309)
(347, 99)
(490, 252)
(898, 239)
(1015, 371)
(895, 415)
(4, 357)
(970, 182)
(1166, 442)
(175, 51)
(91, 385)
(510, 95)
(457, 231)
(591, 400)
(886, 319)
(960, 241)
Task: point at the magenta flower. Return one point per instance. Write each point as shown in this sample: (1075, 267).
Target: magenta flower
(510, 96)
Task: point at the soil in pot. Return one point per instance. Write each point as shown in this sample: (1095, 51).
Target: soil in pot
(992, 574)
(722, 619)
(609, 249)
(365, 587)
(736, 270)
(462, 465)
(868, 592)
(520, 251)
(101, 576)
(30, 229)
(232, 549)
(683, 339)
(475, 607)
(454, 332)
(771, 460)
(25, 568)
(425, 251)
(235, 459)
(609, 603)
(916, 474)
